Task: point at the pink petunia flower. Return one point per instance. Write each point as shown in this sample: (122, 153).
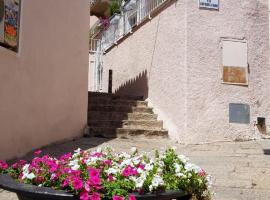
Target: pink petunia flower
(129, 171)
(65, 157)
(202, 172)
(131, 197)
(84, 195)
(115, 197)
(3, 165)
(94, 181)
(93, 172)
(77, 183)
(37, 152)
(65, 183)
(15, 166)
(95, 196)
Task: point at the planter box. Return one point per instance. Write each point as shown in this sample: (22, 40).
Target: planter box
(31, 192)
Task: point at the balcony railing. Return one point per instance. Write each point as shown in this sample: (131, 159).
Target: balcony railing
(94, 45)
(129, 19)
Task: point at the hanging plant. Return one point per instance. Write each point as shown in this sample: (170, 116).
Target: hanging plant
(115, 7)
(104, 23)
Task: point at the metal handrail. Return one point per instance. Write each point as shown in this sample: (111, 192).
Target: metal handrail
(128, 20)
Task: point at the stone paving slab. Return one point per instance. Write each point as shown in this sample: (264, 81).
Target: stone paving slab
(240, 170)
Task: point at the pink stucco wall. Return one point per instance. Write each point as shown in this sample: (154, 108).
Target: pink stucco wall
(43, 88)
(175, 61)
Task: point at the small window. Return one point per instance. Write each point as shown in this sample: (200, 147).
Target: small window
(235, 62)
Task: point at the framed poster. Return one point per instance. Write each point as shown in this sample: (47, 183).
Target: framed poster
(209, 4)
(2, 9)
(9, 27)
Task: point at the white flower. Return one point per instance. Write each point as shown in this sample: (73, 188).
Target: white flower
(177, 168)
(192, 167)
(112, 171)
(133, 150)
(157, 181)
(125, 155)
(180, 175)
(139, 182)
(30, 176)
(126, 163)
(74, 164)
(161, 164)
(140, 171)
(149, 167)
(77, 153)
(183, 158)
(27, 174)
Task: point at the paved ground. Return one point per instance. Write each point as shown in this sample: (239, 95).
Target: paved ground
(240, 170)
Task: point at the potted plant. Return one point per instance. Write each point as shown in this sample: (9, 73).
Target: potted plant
(104, 174)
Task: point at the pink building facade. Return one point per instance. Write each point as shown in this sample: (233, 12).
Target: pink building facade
(181, 59)
(43, 90)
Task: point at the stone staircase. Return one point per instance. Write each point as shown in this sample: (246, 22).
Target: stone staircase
(111, 116)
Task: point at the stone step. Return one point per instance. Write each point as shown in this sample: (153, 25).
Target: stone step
(125, 132)
(98, 115)
(141, 116)
(119, 108)
(140, 124)
(100, 95)
(129, 132)
(119, 116)
(106, 123)
(112, 102)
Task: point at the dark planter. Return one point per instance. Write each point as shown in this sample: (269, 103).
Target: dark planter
(31, 192)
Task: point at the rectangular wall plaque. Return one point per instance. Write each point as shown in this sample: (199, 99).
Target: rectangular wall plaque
(209, 4)
(239, 113)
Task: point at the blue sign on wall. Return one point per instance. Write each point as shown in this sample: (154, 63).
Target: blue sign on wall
(210, 4)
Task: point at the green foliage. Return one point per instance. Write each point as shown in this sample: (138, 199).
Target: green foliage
(115, 7)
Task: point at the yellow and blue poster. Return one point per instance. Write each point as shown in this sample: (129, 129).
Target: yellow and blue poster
(9, 23)
(2, 13)
(12, 17)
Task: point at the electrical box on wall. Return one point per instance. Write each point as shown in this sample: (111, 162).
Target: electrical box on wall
(239, 113)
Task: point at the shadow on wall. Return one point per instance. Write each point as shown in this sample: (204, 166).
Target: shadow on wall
(137, 86)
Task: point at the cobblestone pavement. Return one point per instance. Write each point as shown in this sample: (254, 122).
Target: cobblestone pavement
(240, 170)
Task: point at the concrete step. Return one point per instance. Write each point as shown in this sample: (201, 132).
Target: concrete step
(112, 102)
(120, 108)
(100, 95)
(125, 132)
(140, 124)
(119, 116)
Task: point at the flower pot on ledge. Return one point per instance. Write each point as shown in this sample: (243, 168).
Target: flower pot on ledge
(31, 192)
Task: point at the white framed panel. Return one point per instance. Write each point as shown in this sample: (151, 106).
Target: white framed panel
(235, 61)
